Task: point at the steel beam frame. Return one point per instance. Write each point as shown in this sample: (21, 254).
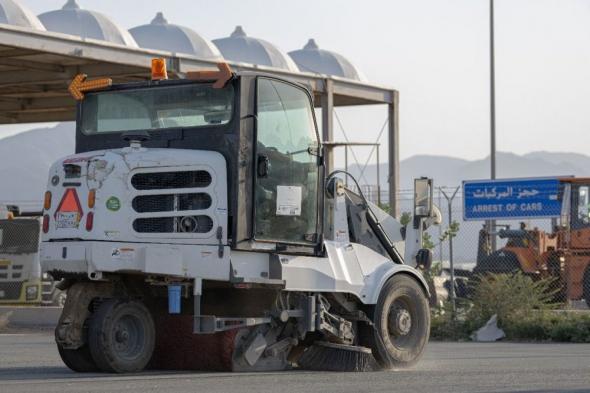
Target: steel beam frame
(57, 58)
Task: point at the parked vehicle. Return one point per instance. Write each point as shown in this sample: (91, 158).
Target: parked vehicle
(563, 253)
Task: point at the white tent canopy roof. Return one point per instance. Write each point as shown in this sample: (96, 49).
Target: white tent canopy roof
(73, 20)
(14, 13)
(313, 59)
(161, 35)
(240, 48)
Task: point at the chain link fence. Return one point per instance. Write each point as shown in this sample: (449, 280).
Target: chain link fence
(537, 248)
(529, 246)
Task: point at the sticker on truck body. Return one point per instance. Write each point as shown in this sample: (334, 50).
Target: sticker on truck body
(123, 254)
(113, 204)
(288, 201)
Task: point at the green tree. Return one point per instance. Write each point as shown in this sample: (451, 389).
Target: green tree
(427, 241)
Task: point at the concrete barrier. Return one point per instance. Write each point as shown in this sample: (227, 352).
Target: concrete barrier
(29, 317)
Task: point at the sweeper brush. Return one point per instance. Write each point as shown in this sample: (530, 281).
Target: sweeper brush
(326, 356)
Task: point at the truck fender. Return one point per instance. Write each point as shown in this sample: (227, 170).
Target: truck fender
(347, 268)
(395, 269)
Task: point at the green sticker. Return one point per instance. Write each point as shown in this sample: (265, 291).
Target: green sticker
(113, 203)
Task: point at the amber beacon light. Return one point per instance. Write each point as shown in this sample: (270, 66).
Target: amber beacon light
(159, 69)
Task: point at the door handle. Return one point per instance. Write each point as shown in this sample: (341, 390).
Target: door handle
(262, 166)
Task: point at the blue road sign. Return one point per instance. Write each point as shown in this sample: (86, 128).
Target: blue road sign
(510, 199)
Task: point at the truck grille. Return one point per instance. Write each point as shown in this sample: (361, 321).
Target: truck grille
(181, 195)
(186, 224)
(169, 180)
(171, 202)
(10, 290)
(11, 271)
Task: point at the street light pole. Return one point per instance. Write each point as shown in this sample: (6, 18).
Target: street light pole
(492, 223)
(492, 96)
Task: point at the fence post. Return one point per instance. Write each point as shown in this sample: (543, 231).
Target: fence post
(451, 265)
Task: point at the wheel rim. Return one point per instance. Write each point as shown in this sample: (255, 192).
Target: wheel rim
(401, 328)
(128, 337)
(400, 321)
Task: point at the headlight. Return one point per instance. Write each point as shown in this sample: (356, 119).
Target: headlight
(32, 292)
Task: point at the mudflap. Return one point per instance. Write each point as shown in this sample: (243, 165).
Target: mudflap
(69, 332)
(178, 348)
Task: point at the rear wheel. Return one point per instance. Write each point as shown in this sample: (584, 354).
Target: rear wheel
(122, 336)
(79, 360)
(401, 320)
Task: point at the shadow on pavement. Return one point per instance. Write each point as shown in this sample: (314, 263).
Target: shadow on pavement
(49, 373)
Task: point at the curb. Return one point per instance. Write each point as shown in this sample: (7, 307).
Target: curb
(29, 317)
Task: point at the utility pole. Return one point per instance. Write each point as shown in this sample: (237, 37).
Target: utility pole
(451, 265)
(440, 245)
(492, 96)
(492, 223)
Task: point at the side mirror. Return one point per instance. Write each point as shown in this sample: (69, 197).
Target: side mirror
(424, 259)
(423, 193)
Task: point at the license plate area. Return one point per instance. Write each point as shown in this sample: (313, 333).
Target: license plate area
(67, 220)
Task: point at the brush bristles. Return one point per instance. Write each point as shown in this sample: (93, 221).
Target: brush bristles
(322, 358)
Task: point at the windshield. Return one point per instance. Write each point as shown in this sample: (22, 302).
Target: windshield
(581, 207)
(154, 108)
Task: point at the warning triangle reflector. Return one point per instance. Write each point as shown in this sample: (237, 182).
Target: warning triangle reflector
(70, 202)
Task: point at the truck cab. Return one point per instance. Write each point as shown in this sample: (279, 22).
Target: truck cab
(574, 237)
(247, 172)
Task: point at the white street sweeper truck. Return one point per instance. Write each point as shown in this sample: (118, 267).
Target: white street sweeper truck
(196, 228)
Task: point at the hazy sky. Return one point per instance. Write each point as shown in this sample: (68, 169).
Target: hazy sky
(435, 52)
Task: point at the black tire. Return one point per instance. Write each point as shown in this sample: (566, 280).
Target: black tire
(122, 336)
(395, 340)
(586, 286)
(79, 360)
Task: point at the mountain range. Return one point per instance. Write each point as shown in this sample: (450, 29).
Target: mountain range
(25, 159)
(451, 171)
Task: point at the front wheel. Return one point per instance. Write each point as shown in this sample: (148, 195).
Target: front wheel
(401, 321)
(122, 336)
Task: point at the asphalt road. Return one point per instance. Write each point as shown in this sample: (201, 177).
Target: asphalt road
(30, 363)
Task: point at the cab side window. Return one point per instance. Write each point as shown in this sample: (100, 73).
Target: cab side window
(286, 192)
